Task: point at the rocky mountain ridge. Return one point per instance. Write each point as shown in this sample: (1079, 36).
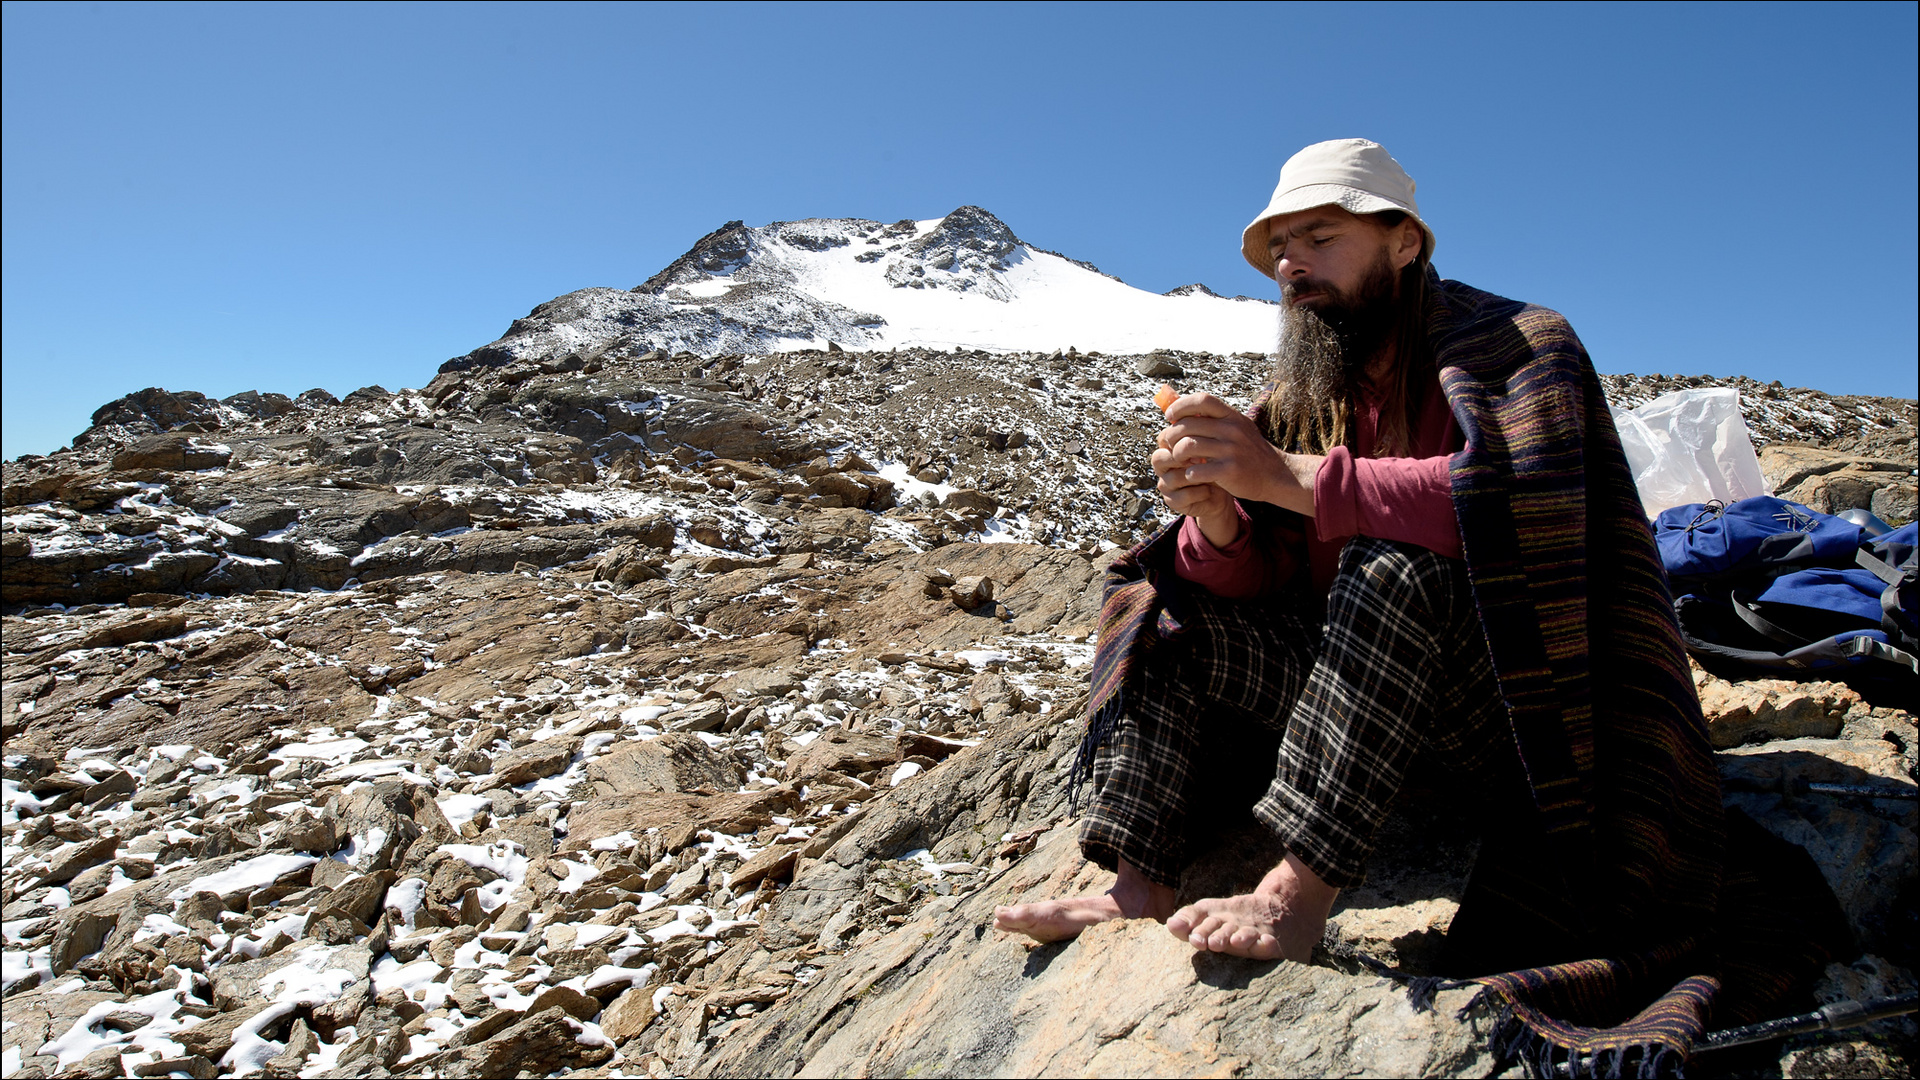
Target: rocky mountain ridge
(599, 710)
(546, 463)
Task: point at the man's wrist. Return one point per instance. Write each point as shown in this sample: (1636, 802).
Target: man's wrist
(1305, 468)
(1290, 483)
(1221, 528)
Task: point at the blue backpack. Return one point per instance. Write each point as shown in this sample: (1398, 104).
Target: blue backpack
(1767, 586)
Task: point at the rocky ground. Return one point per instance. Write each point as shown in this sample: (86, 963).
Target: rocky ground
(633, 714)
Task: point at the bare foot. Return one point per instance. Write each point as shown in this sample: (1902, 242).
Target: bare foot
(1133, 896)
(1056, 920)
(1282, 918)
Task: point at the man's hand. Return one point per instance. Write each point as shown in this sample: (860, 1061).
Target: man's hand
(1209, 446)
(1208, 504)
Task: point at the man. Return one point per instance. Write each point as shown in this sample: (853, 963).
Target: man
(1392, 556)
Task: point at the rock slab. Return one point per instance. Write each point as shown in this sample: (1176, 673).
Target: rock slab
(946, 995)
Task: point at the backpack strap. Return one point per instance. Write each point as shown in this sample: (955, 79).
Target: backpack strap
(1881, 569)
(1745, 607)
(1888, 652)
(1896, 603)
(1704, 628)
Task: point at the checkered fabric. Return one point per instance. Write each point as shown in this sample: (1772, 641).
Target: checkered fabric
(1400, 667)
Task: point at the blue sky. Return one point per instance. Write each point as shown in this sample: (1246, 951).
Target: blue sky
(277, 197)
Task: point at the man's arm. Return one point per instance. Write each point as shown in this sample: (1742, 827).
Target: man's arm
(1207, 443)
(1404, 499)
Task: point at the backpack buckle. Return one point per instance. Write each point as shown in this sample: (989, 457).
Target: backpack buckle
(1711, 510)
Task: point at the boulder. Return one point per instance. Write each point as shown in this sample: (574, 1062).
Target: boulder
(628, 1015)
(1831, 481)
(358, 898)
(606, 815)
(843, 752)
(543, 1042)
(970, 592)
(152, 409)
(258, 405)
(379, 818)
(669, 763)
(525, 764)
(151, 628)
(968, 502)
(80, 933)
(172, 451)
(721, 427)
(565, 998)
(1760, 709)
(302, 1043)
(629, 563)
(1896, 503)
(849, 489)
(699, 716)
(36, 1017)
(68, 862)
(760, 683)
(774, 862)
(213, 1037)
(1158, 365)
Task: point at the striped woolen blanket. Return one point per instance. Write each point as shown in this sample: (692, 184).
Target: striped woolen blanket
(1580, 624)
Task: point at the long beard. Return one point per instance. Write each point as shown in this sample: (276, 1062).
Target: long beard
(1323, 357)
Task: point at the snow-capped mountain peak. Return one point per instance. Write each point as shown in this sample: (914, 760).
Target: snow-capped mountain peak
(961, 281)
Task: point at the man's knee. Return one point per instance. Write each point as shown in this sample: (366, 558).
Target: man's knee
(1376, 573)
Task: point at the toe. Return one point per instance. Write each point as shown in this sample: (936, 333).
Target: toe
(1203, 934)
(1247, 941)
(1182, 922)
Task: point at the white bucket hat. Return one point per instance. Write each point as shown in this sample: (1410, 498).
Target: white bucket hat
(1358, 176)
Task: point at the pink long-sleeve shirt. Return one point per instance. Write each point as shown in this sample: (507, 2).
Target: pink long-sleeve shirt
(1407, 499)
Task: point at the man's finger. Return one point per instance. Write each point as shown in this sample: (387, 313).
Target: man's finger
(1180, 445)
(1189, 506)
(1191, 498)
(1205, 427)
(1176, 480)
(1198, 405)
(1202, 472)
(1176, 476)
(1166, 461)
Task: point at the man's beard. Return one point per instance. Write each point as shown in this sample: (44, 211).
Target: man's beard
(1324, 353)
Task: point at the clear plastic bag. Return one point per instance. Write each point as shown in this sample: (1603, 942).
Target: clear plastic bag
(1690, 446)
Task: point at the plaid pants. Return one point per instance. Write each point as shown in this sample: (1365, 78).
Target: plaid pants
(1400, 667)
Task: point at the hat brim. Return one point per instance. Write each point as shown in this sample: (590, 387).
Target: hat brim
(1253, 240)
